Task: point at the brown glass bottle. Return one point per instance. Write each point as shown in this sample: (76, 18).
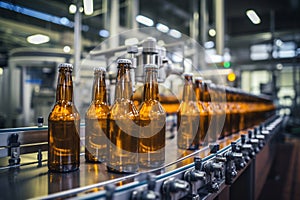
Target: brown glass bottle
(123, 124)
(188, 117)
(235, 109)
(96, 131)
(64, 126)
(211, 134)
(152, 122)
(203, 126)
(226, 130)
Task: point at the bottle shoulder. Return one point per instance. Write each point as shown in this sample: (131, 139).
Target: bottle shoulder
(151, 109)
(64, 112)
(124, 108)
(188, 107)
(97, 111)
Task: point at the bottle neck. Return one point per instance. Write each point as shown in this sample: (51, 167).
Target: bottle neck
(188, 91)
(124, 84)
(151, 85)
(198, 91)
(206, 95)
(99, 88)
(64, 91)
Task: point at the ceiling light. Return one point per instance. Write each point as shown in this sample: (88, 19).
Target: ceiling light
(212, 32)
(72, 9)
(253, 16)
(1, 71)
(88, 7)
(209, 44)
(144, 20)
(104, 33)
(278, 42)
(38, 39)
(64, 21)
(67, 49)
(174, 33)
(161, 27)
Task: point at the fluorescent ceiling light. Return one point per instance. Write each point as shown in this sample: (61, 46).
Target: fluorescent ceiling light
(38, 39)
(212, 32)
(104, 33)
(161, 27)
(88, 7)
(209, 44)
(253, 16)
(259, 56)
(67, 49)
(72, 9)
(144, 20)
(174, 33)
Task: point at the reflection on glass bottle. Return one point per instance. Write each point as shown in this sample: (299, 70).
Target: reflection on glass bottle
(188, 117)
(96, 137)
(203, 126)
(123, 124)
(63, 126)
(152, 122)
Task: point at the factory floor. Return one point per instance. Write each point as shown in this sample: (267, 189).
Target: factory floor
(283, 182)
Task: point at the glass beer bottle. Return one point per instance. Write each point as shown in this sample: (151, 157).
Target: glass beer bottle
(152, 123)
(211, 133)
(203, 126)
(123, 124)
(96, 137)
(188, 117)
(64, 126)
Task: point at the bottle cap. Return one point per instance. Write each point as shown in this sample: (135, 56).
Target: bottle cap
(188, 74)
(151, 66)
(198, 78)
(99, 69)
(65, 65)
(124, 61)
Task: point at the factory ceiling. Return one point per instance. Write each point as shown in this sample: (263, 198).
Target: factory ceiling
(279, 19)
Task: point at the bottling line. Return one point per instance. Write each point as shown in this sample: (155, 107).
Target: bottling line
(231, 158)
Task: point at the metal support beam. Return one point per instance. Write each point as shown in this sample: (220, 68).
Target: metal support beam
(77, 44)
(219, 16)
(194, 20)
(114, 23)
(132, 12)
(204, 21)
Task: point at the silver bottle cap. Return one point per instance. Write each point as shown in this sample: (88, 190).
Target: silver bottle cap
(99, 69)
(124, 60)
(65, 65)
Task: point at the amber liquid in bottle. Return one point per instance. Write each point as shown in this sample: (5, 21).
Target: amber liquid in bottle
(235, 115)
(64, 126)
(96, 130)
(188, 117)
(211, 135)
(152, 122)
(123, 125)
(204, 123)
(226, 111)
